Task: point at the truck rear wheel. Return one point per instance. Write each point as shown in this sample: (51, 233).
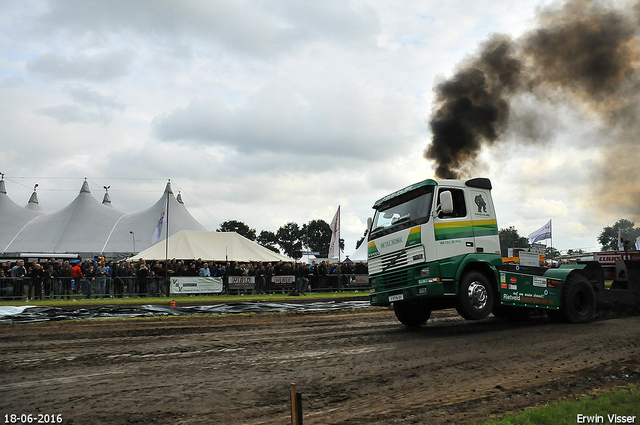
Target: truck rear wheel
(476, 296)
(410, 314)
(578, 300)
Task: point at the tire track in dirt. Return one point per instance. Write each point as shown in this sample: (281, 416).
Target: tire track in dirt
(354, 367)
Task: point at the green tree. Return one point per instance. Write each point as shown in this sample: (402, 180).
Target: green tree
(551, 253)
(289, 239)
(509, 238)
(609, 236)
(268, 240)
(238, 227)
(316, 236)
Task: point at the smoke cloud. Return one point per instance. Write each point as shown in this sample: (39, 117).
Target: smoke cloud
(587, 50)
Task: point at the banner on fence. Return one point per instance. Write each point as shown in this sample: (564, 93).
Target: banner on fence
(283, 280)
(247, 283)
(361, 279)
(195, 285)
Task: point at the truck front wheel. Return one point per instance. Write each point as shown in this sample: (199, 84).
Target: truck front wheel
(410, 314)
(578, 300)
(476, 296)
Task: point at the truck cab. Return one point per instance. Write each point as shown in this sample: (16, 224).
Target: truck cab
(424, 238)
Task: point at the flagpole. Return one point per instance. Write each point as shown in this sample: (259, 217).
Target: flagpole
(338, 242)
(338, 234)
(166, 236)
(166, 244)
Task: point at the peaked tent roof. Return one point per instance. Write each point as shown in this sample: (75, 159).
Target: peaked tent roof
(87, 227)
(106, 200)
(210, 246)
(14, 217)
(360, 254)
(143, 224)
(81, 226)
(33, 203)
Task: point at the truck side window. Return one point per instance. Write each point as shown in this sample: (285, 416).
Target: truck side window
(459, 206)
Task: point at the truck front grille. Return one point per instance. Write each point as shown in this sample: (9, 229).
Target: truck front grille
(393, 280)
(396, 260)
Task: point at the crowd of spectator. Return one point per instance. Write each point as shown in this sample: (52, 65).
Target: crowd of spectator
(101, 278)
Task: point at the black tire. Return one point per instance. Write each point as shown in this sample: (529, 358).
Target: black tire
(578, 300)
(516, 314)
(556, 316)
(476, 296)
(411, 315)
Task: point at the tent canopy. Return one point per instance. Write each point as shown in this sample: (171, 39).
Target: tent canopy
(86, 227)
(210, 246)
(361, 253)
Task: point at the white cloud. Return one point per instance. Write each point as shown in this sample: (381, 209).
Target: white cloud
(266, 111)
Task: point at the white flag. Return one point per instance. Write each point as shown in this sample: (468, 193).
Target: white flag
(542, 233)
(163, 215)
(334, 245)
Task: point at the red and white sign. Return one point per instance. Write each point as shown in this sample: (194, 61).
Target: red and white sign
(610, 258)
(283, 279)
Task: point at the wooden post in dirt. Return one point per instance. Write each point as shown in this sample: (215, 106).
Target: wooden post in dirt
(296, 406)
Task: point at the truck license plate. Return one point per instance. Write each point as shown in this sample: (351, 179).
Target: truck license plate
(398, 297)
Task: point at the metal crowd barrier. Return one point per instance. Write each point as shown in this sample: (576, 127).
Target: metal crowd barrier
(17, 288)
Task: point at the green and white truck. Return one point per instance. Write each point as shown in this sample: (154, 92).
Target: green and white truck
(434, 245)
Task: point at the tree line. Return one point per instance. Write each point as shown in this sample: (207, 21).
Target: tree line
(290, 239)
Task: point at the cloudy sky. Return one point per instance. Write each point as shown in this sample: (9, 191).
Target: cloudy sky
(266, 111)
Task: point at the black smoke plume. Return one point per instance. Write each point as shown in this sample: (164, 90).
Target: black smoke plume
(587, 50)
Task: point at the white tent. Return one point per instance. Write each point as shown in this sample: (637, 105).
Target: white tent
(87, 227)
(210, 246)
(361, 253)
(12, 217)
(143, 225)
(79, 227)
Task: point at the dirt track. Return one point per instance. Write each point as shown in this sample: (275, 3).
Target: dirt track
(352, 367)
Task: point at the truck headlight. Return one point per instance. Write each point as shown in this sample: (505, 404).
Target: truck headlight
(424, 272)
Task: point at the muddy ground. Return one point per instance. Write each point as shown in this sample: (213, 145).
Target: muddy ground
(351, 367)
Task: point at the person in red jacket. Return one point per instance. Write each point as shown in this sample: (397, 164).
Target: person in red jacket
(76, 276)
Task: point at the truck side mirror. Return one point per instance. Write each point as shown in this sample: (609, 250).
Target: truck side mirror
(446, 202)
(369, 221)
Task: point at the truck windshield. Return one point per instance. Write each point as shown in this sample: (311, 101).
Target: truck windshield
(402, 212)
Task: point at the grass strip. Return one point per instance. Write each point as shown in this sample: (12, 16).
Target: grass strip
(189, 299)
(621, 405)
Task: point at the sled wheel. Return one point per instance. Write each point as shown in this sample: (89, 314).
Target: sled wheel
(578, 300)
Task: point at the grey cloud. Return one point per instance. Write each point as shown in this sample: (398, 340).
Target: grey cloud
(339, 124)
(91, 106)
(96, 68)
(73, 113)
(255, 27)
(87, 96)
(12, 82)
(331, 19)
